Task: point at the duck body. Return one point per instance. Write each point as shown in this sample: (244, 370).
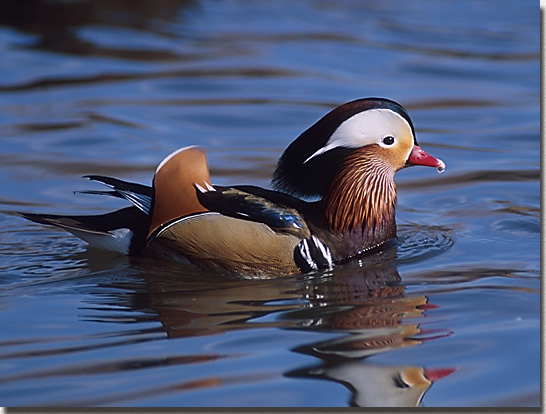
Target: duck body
(333, 200)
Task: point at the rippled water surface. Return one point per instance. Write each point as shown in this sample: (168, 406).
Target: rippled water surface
(448, 318)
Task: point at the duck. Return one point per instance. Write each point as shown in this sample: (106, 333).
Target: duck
(332, 200)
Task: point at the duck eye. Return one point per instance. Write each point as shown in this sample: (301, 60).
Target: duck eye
(388, 140)
(399, 382)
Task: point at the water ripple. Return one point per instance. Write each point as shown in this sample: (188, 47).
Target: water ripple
(419, 242)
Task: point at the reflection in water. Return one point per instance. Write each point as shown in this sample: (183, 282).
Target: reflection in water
(363, 303)
(373, 323)
(380, 386)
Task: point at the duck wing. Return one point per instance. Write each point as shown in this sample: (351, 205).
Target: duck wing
(245, 232)
(239, 202)
(272, 209)
(215, 242)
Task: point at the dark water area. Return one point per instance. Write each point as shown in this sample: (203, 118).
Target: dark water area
(449, 318)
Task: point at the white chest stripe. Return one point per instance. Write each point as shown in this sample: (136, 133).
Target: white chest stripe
(316, 254)
(324, 251)
(306, 254)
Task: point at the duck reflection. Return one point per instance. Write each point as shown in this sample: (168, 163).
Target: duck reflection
(372, 317)
(203, 304)
(361, 308)
(380, 386)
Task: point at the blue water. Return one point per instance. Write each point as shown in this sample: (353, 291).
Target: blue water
(113, 87)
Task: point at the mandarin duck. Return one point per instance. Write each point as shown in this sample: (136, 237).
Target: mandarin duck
(332, 200)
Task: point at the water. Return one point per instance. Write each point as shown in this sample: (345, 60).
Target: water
(113, 87)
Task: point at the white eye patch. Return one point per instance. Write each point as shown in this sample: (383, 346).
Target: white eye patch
(366, 128)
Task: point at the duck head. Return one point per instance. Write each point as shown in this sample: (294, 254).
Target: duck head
(348, 159)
